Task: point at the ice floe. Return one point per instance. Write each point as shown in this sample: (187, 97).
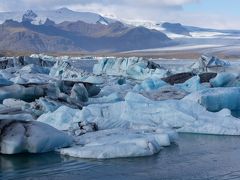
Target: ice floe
(30, 136)
(118, 143)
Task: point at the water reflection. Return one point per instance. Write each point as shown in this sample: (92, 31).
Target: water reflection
(21, 161)
(193, 157)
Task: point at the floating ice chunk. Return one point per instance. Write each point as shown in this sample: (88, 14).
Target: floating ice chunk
(30, 136)
(21, 92)
(134, 68)
(32, 68)
(216, 99)
(210, 64)
(223, 79)
(137, 110)
(122, 90)
(93, 90)
(4, 81)
(18, 116)
(156, 89)
(65, 71)
(118, 143)
(18, 80)
(192, 85)
(14, 103)
(79, 93)
(26, 78)
(114, 97)
(60, 119)
(149, 85)
(7, 62)
(41, 106)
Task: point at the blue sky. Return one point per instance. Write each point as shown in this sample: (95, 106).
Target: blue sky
(225, 7)
(221, 14)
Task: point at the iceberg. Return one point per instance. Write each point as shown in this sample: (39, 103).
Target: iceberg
(4, 81)
(192, 85)
(119, 143)
(210, 64)
(32, 68)
(133, 68)
(14, 103)
(149, 85)
(216, 99)
(60, 119)
(7, 62)
(224, 79)
(21, 92)
(138, 111)
(79, 93)
(29, 78)
(30, 136)
(65, 71)
(114, 97)
(41, 106)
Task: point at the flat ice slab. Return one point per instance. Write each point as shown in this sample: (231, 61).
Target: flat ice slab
(116, 143)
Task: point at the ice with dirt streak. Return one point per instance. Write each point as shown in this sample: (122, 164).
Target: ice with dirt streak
(118, 143)
(30, 136)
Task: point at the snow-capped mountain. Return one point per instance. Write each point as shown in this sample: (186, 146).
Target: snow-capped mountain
(172, 30)
(67, 30)
(58, 16)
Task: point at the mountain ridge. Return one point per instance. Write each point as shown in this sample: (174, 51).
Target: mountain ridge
(25, 36)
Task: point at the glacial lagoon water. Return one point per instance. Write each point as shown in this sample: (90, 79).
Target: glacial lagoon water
(192, 157)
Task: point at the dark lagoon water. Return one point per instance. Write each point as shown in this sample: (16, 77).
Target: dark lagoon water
(192, 157)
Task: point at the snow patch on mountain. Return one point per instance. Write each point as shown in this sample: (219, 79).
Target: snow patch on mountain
(58, 16)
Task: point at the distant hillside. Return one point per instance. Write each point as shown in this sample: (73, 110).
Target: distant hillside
(77, 36)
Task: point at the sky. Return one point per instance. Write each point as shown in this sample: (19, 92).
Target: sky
(220, 14)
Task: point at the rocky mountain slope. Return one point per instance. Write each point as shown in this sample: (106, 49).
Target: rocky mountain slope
(77, 36)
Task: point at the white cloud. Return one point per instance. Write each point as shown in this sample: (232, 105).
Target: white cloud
(34, 4)
(154, 10)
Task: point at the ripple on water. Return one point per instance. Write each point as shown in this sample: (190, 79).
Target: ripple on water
(193, 157)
